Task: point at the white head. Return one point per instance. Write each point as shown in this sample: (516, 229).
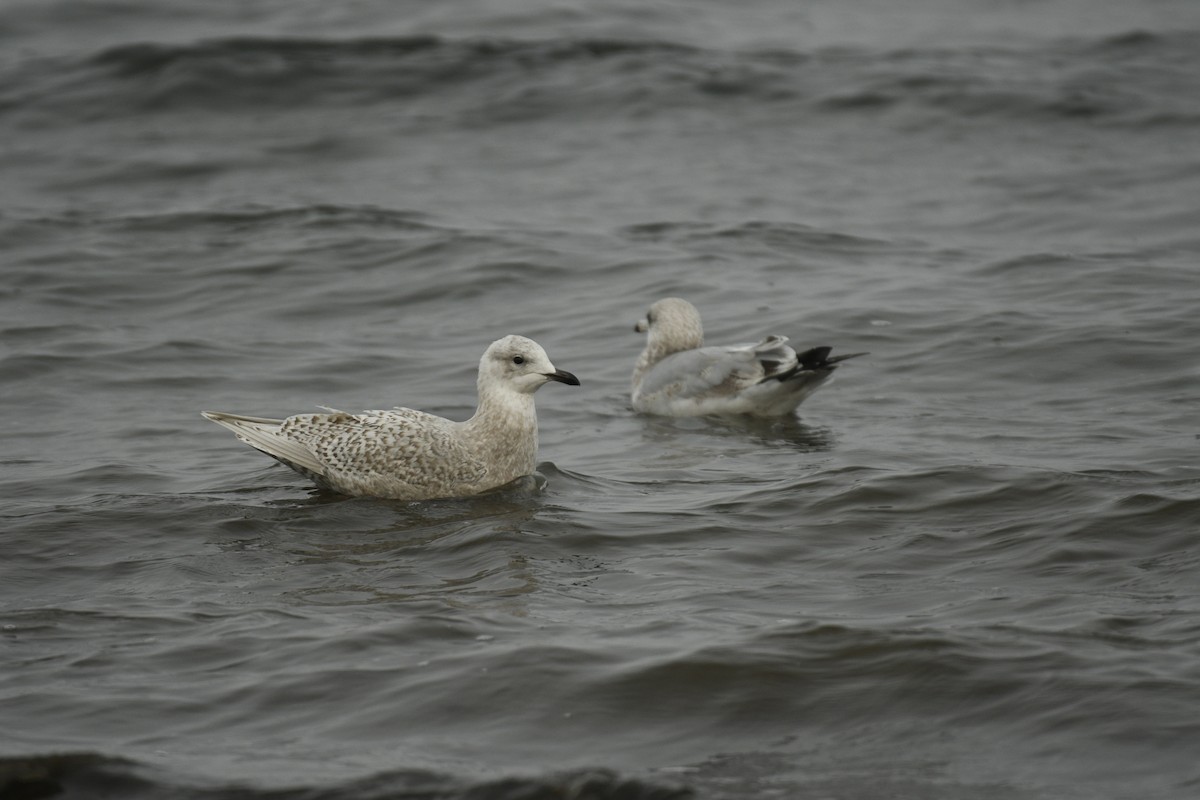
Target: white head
(673, 325)
(519, 364)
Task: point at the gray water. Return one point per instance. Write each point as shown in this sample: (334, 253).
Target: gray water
(966, 569)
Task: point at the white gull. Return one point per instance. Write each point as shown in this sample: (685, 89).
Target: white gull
(403, 454)
(677, 376)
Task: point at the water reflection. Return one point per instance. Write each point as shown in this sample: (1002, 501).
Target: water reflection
(356, 551)
(788, 431)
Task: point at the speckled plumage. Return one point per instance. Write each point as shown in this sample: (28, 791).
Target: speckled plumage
(677, 376)
(404, 454)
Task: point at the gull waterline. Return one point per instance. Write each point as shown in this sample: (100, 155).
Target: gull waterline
(402, 454)
(677, 376)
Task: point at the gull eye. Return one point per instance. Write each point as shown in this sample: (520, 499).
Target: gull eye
(518, 359)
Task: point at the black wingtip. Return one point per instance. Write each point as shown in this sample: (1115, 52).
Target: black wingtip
(836, 359)
(813, 360)
(814, 357)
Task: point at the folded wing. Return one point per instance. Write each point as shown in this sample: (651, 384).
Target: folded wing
(338, 449)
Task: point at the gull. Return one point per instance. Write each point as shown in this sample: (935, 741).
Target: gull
(403, 454)
(677, 376)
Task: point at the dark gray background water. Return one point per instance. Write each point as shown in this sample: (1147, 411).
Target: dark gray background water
(968, 570)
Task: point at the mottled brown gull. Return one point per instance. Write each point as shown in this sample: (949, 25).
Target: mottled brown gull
(403, 454)
(677, 376)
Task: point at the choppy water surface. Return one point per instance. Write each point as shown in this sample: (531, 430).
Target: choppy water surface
(968, 569)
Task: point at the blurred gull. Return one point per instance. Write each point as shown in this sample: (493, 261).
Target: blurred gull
(677, 376)
(404, 454)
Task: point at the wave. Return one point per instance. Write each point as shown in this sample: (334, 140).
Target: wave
(95, 775)
(18, 230)
(1138, 78)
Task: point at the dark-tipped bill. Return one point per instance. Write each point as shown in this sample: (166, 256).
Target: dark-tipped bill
(562, 376)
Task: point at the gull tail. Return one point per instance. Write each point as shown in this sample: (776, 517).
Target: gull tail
(263, 434)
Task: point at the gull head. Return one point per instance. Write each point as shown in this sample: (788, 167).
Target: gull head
(673, 324)
(520, 365)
